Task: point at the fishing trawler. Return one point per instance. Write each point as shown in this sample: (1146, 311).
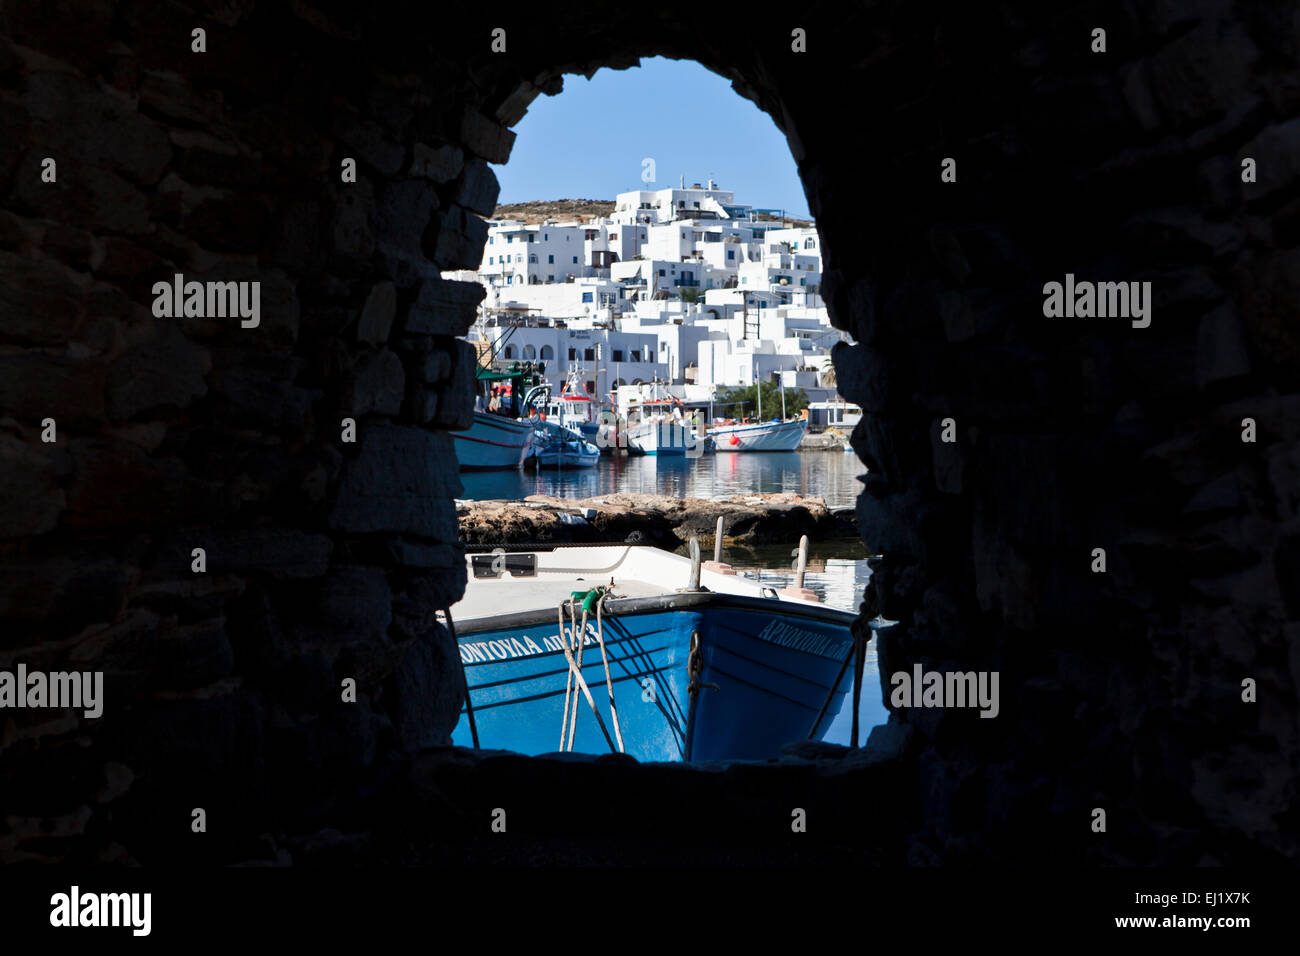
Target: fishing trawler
(634, 649)
(575, 408)
(657, 424)
(502, 433)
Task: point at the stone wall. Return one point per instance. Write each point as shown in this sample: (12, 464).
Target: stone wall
(327, 559)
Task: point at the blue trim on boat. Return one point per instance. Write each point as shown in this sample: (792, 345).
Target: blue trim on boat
(772, 663)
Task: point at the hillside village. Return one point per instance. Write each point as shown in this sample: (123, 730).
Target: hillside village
(682, 286)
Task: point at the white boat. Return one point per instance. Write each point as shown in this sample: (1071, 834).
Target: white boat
(494, 442)
(574, 408)
(661, 437)
(775, 435)
(658, 425)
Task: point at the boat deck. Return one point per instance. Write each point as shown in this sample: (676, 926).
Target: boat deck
(637, 571)
(486, 597)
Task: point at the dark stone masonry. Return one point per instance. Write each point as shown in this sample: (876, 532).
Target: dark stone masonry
(327, 560)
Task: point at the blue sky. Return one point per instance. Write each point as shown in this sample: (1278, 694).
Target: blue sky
(588, 142)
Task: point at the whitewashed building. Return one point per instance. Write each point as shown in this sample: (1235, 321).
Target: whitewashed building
(681, 285)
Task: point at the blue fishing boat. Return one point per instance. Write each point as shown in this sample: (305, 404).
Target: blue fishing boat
(558, 447)
(635, 649)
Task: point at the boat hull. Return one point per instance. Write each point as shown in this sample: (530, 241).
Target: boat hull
(764, 436)
(772, 667)
(660, 438)
(566, 459)
(493, 443)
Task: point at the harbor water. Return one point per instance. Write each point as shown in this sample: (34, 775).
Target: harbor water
(832, 475)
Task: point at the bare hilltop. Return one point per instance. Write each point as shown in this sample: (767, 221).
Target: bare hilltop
(539, 210)
(536, 211)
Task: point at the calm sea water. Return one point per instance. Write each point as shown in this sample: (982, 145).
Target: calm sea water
(832, 475)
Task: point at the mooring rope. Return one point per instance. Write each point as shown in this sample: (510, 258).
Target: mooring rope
(609, 683)
(568, 682)
(577, 681)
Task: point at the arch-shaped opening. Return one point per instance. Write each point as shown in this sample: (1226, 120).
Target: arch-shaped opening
(713, 234)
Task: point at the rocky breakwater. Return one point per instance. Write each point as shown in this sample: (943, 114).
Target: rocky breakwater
(658, 520)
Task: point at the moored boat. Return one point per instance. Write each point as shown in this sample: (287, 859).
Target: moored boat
(677, 662)
(659, 436)
(501, 434)
(775, 435)
(558, 447)
(493, 442)
(657, 424)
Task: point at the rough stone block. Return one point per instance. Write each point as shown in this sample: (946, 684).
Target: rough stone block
(1276, 152)
(377, 384)
(441, 165)
(369, 143)
(461, 238)
(478, 188)
(404, 480)
(402, 214)
(34, 385)
(516, 104)
(164, 370)
(1201, 74)
(278, 552)
(115, 484)
(353, 238)
(416, 554)
(377, 314)
(356, 604)
(429, 694)
(172, 95)
(422, 404)
(140, 652)
(41, 301)
(444, 307)
(87, 127)
(456, 397)
(435, 366)
(1221, 347)
(30, 498)
(861, 375)
(485, 138)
